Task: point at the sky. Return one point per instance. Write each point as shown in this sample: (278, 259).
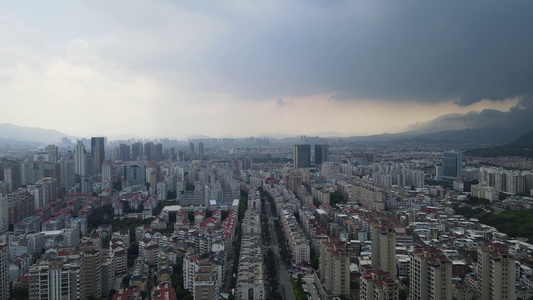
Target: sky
(264, 68)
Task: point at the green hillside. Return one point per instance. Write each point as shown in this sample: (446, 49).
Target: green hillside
(523, 146)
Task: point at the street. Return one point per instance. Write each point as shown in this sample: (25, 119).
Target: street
(284, 289)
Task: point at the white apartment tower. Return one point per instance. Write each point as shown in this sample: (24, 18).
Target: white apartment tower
(430, 275)
(496, 272)
(384, 248)
(80, 159)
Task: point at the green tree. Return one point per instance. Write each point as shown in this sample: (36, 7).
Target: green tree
(404, 293)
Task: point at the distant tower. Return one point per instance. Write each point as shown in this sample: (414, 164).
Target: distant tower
(191, 150)
(149, 149)
(4, 215)
(201, 150)
(67, 172)
(302, 156)
(451, 165)
(158, 152)
(80, 159)
(136, 151)
(124, 152)
(98, 152)
(321, 153)
(51, 150)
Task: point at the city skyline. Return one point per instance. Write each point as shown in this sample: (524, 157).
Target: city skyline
(161, 69)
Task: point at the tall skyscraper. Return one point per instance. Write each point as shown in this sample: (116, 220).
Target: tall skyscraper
(98, 152)
(12, 176)
(321, 153)
(52, 152)
(201, 151)
(430, 275)
(4, 214)
(496, 272)
(67, 170)
(124, 152)
(158, 152)
(137, 151)
(149, 149)
(451, 165)
(80, 159)
(191, 151)
(302, 156)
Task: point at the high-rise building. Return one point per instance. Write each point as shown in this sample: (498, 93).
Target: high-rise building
(91, 267)
(451, 165)
(302, 156)
(321, 153)
(378, 285)
(334, 266)
(4, 272)
(52, 151)
(149, 149)
(158, 152)
(137, 151)
(4, 214)
(107, 271)
(201, 151)
(12, 176)
(98, 152)
(124, 152)
(107, 172)
(80, 159)
(384, 248)
(172, 153)
(58, 279)
(430, 275)
(31, 171)
(191, 151)
(496, 272)
(67, 170)
(134, 174)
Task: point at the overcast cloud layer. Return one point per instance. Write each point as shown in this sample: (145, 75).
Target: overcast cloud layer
(238, 67)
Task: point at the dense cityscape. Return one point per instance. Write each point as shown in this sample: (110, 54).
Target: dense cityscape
(250, 219)
(266, 150)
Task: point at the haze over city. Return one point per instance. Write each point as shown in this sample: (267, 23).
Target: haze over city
(267, 68)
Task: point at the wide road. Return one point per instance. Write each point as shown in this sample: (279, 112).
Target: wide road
(283, 273)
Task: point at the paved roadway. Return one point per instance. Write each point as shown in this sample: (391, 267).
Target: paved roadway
(283, 273)
(309, 279)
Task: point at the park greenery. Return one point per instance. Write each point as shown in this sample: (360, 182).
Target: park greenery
(514, 223)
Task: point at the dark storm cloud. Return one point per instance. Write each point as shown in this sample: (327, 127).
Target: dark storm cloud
(427, 51)
(518, 117)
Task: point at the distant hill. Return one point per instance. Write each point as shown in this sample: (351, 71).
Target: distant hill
(523, 146)
(524, 141)
(487, 136)
(17, 144)
(17, 134)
